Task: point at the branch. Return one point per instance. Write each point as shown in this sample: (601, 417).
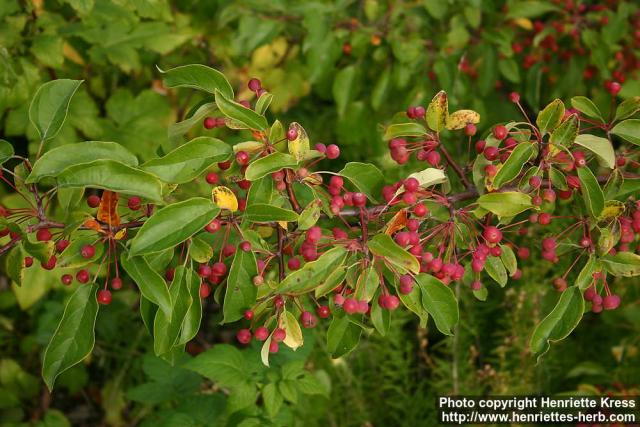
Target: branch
(457, 169)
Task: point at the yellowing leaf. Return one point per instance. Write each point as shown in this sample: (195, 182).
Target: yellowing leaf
(108, 209)
(121, 234)
(283, 224)
(248, 146)
(523, 23)
(264, 231)
(612, 209)
(398, 222)
(93, 224)
(299, 147)
(224, 198)
(71, 54)
(461, 118)
(438, 111)
(290, 324)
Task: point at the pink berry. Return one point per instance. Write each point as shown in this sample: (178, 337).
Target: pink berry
(104, 297)
(244, 336)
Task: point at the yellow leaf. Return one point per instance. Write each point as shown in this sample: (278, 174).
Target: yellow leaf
(437, 112)
(248, 146)
(121, 234)
(524, 23)
(299, 147)
(224, 198)
(612, 209)
(461, 118)
(290, 324)
(283, 224)
(71, 54)
(268, 56)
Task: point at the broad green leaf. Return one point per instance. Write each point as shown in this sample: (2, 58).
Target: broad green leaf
(383, 246)
(549, 118)
(245, 117)
(241, 293)
(173, 225)
(505, 204)
(530, 9)
(14, 264)
(558, 324)
(176, 130)
(272, 399)
(628, 108)
(629, 130)
(152, 285)
(269, 164)
(586, 107)
(69, 198)
(74, 337)
(585, 277)
(313, 274)
(365, 177)
(199, 77)
(343, 88)
(601, 147)
(261, 191)
(6, 151)
(439, 301)
(72, 256)
(509, 259)
(222, 363)
(380, 318)
(591, 192)
(193, 317)
(50, 104)
(299, 147)
(565, 134)
(166, 329)
(342, 336)
(310, 215)
(461, 118)
(263, 103)
(404, 129)
(495, 269)
(332, 281)
(438, 112)
(200, 250)
(114, 176)
(367, 284)
(625, 264)
(514, 164)
(54, 161)
(262, 212)
(189, 160)
(413, 301)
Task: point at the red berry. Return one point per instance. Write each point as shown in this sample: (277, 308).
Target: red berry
(254, 85)
(43, 235)
(133, 203)
(292, 134)
(257, 280)
(279, 335)
(323, 311)
(308, 320)
(245, 246)
(205, 290)
(248, 314)
(333, 152)
(500, 132)
(66, 279)
(204, 270)
(470, 129)
(491, 153)
(492, 234)
(243, 336)
(93, 201)
(61, 245)
(88, 251)
(224, 165)
(28, 261)
(611, 302)
(614, 89)
(242, 158)
(350, 306)
(261, 333)
(116, 283)
(209, 122)
(359, 199)
(411, 184)
(104, 297)
(82, 276)
(293, 263)
(420, 210)
(213, 226)
(212, 178)
(273, 347)
(50, 264)
(219, 269)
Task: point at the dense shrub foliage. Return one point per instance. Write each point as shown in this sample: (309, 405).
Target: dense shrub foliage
(285, 205)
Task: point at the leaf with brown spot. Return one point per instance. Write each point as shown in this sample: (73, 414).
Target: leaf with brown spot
(108, 209)
(398, 222)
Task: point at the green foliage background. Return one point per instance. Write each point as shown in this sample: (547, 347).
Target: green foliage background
(401, 53)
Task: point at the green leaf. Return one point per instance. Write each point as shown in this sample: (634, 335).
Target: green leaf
(241, 292)
(628, 108)
(262, 212)
(365, 177)
(343, 88)
(50, 104)
(629, 130)
(601, 147)
(6, 151)
(114, 176)
(495, 269)
(199, 77)
(298, 147)
(173, 225)
(506, 204)
(509, 259)
(514, 164)
(74, 337)
(200, 250)
(342, 336)
(189, 160)
(54, 161)
(530, 9)
(332, 281)
(272, 399)
(551, 116)
(404, 129)
(263, 103)
(625, 264)
(565, 134)
(439, 301)
(313, 274)
(14, 264)
(222, 363)
(176, 130)
(591, 192)
(193, 317)
(586, 107)
(558, 324)
(585, 277)
(310, 215)
(383, 246)
(269, 164)
(245, 117)
(438, 112)
(166, 329)
(152, 285)
(380, 318)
